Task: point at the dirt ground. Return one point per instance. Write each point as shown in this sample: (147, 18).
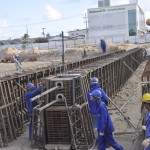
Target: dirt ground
(129, 96)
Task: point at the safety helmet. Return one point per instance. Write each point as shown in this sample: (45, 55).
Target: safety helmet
(96, 93)
(30, 86)
(146, 98)
(94, 80)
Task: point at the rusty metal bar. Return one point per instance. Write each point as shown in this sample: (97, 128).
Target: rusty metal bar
(111, 73)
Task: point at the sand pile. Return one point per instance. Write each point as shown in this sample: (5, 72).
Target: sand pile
(7, 54)
(73, 50)
(127, 47)
(111, 46)
(81, 49)
(11, 51)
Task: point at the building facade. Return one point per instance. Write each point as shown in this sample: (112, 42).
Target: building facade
(103, 3)
(133, 1)
(78, 32)
(116, 21)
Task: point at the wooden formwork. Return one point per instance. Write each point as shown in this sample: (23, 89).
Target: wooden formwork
(70, 89)
(145, 79)
(110, 70)
(57, 125)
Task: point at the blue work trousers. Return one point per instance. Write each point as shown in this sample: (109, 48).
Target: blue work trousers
(94, 119)
(108, 138)
(148, 148)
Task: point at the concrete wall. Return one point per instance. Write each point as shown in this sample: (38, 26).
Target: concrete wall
(79, 42)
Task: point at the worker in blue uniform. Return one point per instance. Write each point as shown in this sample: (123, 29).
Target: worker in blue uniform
(105, 126)
(17, 61)
(92, 105)
(32, 91)
(146, 104)
(103, 46)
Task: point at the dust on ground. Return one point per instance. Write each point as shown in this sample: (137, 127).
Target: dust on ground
(131, 90)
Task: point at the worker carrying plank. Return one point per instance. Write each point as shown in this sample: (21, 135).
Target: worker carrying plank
(146, 104)
(31, 92)
(17, 61)
(105, 126)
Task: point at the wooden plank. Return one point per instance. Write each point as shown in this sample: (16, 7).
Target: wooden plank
(5, 142)
(8, 111)
(12, 111)
(1, 141)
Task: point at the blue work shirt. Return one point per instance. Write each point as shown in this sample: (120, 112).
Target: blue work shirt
(103, 46)
(28, 96)
(92, 104)
(104, 121)
(148, 125)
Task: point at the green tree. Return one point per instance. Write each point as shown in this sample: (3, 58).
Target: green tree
(25, 38)
(48, 36)
(41, 40)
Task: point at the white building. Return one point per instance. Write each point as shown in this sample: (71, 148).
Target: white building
(133, 1)
(77, 33)
(112, 22)
(102, 3)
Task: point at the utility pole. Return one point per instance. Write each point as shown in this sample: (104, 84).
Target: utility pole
(27, 29)
(27, 33)
(43, 32)
(86, 23)
(62, 34)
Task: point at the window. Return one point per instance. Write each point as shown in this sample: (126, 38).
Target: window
(132, 22)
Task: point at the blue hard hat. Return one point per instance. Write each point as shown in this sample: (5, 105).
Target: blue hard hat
(96, 93)
(30, 86)
(94, 80)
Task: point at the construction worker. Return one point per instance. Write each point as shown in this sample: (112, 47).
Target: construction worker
(95, 85)
(105, 126)
(17, 61)
(103, 46)
(32, 91)
(146, 104)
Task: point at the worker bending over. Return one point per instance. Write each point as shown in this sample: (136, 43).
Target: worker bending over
(32, 91)
(146, 104)
(105, 126)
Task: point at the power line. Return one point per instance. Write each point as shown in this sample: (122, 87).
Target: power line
(65, 18)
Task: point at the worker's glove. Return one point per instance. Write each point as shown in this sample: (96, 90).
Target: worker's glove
(143, 128)
(101, 134)
(146, 143)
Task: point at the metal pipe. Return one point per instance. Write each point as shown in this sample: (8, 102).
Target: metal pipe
(49, 104)
(130, 69)
(137, 61)
(20, 85)
(44, 93)
(124, 116)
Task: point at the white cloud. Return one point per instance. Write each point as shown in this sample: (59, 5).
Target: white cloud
(3, 23)
(147, 14)
(52, 13)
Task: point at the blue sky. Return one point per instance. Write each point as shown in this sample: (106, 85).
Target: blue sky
(54, 15)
